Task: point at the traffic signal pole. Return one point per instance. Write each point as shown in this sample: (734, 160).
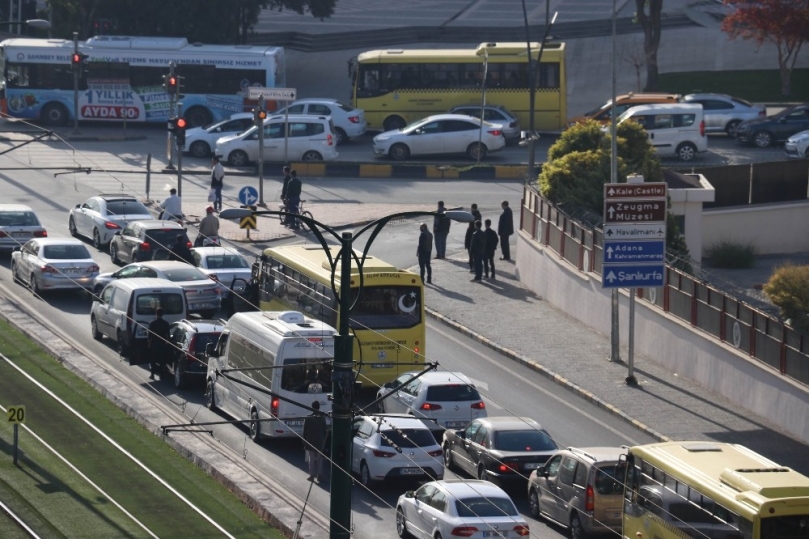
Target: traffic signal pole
(261, 151)
(76, 75)
(179, 148)
(172, 114)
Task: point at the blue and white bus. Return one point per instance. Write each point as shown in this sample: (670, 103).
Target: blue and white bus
(122, 78)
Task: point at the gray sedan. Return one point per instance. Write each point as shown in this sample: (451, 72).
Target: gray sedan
(54, 264)
(723, 112)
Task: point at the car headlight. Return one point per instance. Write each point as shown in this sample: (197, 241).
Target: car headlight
(381, 139)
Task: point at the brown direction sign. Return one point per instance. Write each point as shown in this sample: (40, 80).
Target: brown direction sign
(634, 211)
(634, 190)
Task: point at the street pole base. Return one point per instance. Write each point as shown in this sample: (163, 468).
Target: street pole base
(631, 381)
(616, 360)
(170, 167)
(262, 204)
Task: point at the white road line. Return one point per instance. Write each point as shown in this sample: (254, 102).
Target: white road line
(13, 515)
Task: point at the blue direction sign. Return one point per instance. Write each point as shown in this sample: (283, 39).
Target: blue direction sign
(632, 275)
(627, 252)
(248, 196)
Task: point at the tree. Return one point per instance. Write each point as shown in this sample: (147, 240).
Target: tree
(650, 22)
(784, 23)
(632, 53)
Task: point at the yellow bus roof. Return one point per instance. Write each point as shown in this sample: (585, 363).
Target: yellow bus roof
(498, 52)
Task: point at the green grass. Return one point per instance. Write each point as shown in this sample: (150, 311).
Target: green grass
(733, 255)
(758, 85)
(54, 499)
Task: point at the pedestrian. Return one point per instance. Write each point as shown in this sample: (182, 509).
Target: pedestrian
(159, 345)
(208, 228)
(476, 213)
(314, 438)
(467, 243)
(491, 248)
(217, 182)
(294, 189)
(505, 228)
(441, 230)
(285, 181)
(424, 252)
(478, 250)
(180, 250)
(172, 207)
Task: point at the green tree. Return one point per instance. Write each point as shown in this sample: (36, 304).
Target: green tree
(788, 289)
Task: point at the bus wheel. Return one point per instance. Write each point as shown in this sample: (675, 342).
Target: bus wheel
(393, 122)
(54, 114)
(198, 116)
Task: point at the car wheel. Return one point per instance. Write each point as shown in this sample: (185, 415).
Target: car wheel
(762, 139)
(179, 374)
(477, 150)
(448, 457)
(340, 135)
(210, 397)
(730, 129)
(71, 226)
(238, 158)
(97, 335)
(120, 345)
(34, 285)
(401, 524)
(312, 155)
(114, 255)
(399, 152)
(255, 426)
(54, 114)
(393, 122)
(365, 475)
(437, 535)
(97, 240)
(533, 503)
(199, 148)
(483, 475)
(576, 530)
(686, 151)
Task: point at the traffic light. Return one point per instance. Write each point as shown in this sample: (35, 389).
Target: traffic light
(180, 125)
(171, 83)
(77, 59)
(173, 125)
(259, 115)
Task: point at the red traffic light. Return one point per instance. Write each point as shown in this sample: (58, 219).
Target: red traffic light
(181, 123)
(172, 81)
(75, 58)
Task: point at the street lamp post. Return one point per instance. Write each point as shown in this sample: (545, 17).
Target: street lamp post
(342, 371)
(33, 23)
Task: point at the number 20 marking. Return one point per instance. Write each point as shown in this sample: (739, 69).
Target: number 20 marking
(16, 414)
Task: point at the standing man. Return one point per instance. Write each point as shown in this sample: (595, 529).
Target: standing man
(180, 251)
(314, 438)
(467, 243)
(441, 231)
(478, 250)
(208, 227)
(159, 345)
(505, 228)
(294, 188)
(491, 247)
(217, 182)
(172, 207)
(476, 213)
(424, 252)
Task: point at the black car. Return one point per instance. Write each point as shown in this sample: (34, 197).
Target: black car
(190, 338)
(145, 240)
(765, 132)
(503, 450)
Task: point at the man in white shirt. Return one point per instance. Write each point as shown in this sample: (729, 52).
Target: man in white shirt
(172, 207)
(217, 182)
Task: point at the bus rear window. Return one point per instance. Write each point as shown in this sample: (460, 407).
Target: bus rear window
(387, 307)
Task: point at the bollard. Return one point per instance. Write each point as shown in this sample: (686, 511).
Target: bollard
(148, 174)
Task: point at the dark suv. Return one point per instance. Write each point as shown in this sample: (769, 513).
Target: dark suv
(145, 240)
(190, 338)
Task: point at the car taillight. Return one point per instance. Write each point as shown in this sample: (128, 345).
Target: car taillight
(189, 244)
(762, 113)
(47, 269)
(702, 128)
(111, 226)
(505, 467)
(436, 453)
(495, 132)
(589, 497)
(93, 269)
(383, 454)
(191, 347)
(522, 531)
(430, 406)
(145, 246)
(41, 234)
(274, 407)
(329, 140)
(354, 119)
(463, 531)
(3, 234)
(513, 124)
(479, 405)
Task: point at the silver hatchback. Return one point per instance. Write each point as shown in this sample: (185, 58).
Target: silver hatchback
(18, 224)
(723, 112)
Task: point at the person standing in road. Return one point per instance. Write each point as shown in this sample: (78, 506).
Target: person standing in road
(208, 227)
(159, 345)
(505, 228)
(172, 207)
(217, 182)
(424, 252)
(314, 438)
(441, 231)
(476, 213)
(284, 186)
(467, 243)
(491, 248)
(478, 250)
(180, 250)
(294, 189)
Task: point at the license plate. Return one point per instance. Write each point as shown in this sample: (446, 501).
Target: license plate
(204, 306)
(381, 365)
(72, 271)
(412, 471)
(532, 466)
(294, 423)
(456, 424)
(20, 234)
(495, 534)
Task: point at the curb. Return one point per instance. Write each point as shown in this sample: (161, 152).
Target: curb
(109, 138)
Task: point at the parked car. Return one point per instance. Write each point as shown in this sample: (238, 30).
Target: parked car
(145, 240)
(394, 447)
(450, 399)
(46, 264)
(503, 450)
(459, 508)
(764, 132)
(579, 489)
(201, 292)
(226, 267)
(349, 122)
(201, 141)
(722, 113)
(441, 134)
(190, 339)
(798, 145)
(18, 224)
(603, 114)
(495, 114)
(101, 216)
(674, 130)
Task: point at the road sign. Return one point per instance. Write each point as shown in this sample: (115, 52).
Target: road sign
(634, 211)
(248, 196)
(16, 414)
(630, 252)
(635, 231)
(632, 275)
(635, 190)
(276, 94)
(248, 222)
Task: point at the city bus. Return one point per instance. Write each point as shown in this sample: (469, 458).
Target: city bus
(122, 78)
(387, 322)
(708, 490)
(398, 86)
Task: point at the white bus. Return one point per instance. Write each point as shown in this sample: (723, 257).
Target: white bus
(264, 364)
(122, 78)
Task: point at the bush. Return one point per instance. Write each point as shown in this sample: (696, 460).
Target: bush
(788, 289)
(728, 254)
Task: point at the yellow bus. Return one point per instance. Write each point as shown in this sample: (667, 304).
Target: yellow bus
(709, 490)
(388, 321)
(395, 86)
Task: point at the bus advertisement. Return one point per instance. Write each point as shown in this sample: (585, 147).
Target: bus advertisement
(121, 78)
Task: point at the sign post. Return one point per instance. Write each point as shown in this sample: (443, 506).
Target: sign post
(16, 415)
(276, 94)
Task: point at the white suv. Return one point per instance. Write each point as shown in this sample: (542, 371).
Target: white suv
(348, 121)
(395, 447)
(448, 398)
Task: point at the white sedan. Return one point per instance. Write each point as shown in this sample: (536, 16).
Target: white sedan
(201, 141)
(459, 508)
(225, 266)
(348, 121)
(54, 264)
(441, 134)
(101, 216)
(798, 145)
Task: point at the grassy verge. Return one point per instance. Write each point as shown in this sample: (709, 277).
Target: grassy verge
(60, 504)
(756, 85)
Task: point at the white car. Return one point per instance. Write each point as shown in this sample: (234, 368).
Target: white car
(18, 224)
(201, 141)
(496, 114)
(450, 399)
(54, 264)
(394, 447)
(101, 216)
(798, 145)
(348, 122)
(723, 112)
(224, 266)
(441, 134)
(459, 508)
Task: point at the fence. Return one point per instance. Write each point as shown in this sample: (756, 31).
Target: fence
(757, 183)
(706, 308)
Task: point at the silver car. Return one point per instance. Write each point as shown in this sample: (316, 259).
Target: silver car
(797, 146)
(723, 112)
(495, 114)
(101, 216)
(54, 264)
(225, 266)
(200, 141)
(18, 224)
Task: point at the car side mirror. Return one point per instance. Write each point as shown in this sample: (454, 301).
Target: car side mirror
(544, 472)
(78, 206)
(118, 232)
(387, 385)
(17, 248)
(418, 132)
(210, 350)
(409, 494)
(218, 130)
(462, 434)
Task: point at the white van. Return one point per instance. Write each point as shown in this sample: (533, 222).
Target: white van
(125, 307)
(675, 129)
(310, 138)
(259, 353)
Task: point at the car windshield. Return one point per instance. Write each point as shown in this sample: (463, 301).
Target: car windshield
(126, 207)
(226, 261)
(18, 218)
(408, 438)
(65, 252)
(485, 507)
(201, 341)
(163, 238)
(452, 393)
(387, 307)
(171, 303)
(184, 274)
(523, 440)
(306, 376)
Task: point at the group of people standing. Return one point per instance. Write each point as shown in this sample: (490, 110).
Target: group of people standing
(480, 243)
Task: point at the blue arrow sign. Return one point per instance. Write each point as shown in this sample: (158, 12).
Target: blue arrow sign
(627, 252)
(632, 275)
(248, 196)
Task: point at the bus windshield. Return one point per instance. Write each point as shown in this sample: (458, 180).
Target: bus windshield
(386, 307)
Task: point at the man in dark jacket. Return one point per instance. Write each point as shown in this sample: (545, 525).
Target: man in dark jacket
(159, 345)
(180, 250)
(491, 247)
(441, 231)
(424, 252)
(284, 187)
(294, 189)
(505, 228)
(476, 213)
(478, 250)
(467, 243)
(314, 439)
